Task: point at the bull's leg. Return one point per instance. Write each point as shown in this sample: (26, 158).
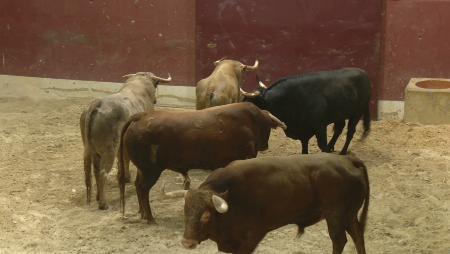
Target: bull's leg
(337, 130)
(138, 192)
(321, 136)
(304, 142)
(88, 174)
(106, 163)
(96, 162)
(187, 181)
(146, 181)
(351, 128)
(357, 234)
(336, 230)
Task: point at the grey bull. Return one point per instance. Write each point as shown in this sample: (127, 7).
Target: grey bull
(102, 122)
(223, 85)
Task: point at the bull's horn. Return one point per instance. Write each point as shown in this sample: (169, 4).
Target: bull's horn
(278, 121)
(252, 68)
(128, 75)
(261, 84)
(251, 95)
(172, 194)
(218, 61)
(220, 204)
(162, 79)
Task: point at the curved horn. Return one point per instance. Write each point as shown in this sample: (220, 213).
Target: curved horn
(220, 60)
(261, 84)
(251, 95)
(278, 121)
(128, 75)
(172, 194)
(252, 68)
(162, 79)
(220, 204)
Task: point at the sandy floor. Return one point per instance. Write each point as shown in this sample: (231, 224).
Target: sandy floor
(43, 208)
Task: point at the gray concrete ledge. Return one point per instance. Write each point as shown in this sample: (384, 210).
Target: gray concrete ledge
(47, 88)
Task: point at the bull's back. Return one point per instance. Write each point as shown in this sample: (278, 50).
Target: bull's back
(205, 139)
(287, 189)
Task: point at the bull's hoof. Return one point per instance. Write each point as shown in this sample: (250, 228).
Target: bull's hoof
(103, 206)
(343, 153)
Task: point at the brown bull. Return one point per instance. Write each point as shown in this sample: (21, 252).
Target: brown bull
(223, 85)
(205, 139)
(102, 122)
(238, 205)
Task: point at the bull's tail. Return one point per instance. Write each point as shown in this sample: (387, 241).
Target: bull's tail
(85, 125)
(121, 177)
(359, 164)
(366, 122)
(363, 217)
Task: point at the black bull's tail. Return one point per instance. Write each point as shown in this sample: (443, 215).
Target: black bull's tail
(121, 162)
(366, 122)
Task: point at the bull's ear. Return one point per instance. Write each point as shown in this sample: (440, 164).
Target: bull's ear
(219, 203)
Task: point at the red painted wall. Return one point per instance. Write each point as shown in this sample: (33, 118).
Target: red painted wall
(290, 36)
(97, 40)
(102, 40)
(417, 43)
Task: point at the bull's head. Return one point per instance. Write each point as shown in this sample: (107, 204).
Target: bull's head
(256, 97)
(201, 209)
(235, 66)
(151, 76)
(151, 79)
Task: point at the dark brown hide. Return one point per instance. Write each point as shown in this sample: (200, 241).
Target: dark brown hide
(263, 194)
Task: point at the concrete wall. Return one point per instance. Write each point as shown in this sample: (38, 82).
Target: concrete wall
(102, 40)
(416, 44)
(97, 40)
(290, 37)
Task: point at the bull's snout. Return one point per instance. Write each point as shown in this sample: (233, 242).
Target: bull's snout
(189, 244)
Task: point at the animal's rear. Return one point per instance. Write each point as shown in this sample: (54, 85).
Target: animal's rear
(359, 164)
(85, 126)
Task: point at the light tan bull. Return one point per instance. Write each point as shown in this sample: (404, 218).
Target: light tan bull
(102, 122)
(223, 85)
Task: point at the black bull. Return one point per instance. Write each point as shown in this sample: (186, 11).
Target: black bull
(307, 104)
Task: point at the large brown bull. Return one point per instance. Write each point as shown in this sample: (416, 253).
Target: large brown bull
(102, 122)
(237, 205)
(223, 85)
(204, 139)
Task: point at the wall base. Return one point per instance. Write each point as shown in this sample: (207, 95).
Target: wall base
(47, 88)
(393, 110)
(167, 95)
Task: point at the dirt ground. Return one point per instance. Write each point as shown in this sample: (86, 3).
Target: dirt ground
(43, 207)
